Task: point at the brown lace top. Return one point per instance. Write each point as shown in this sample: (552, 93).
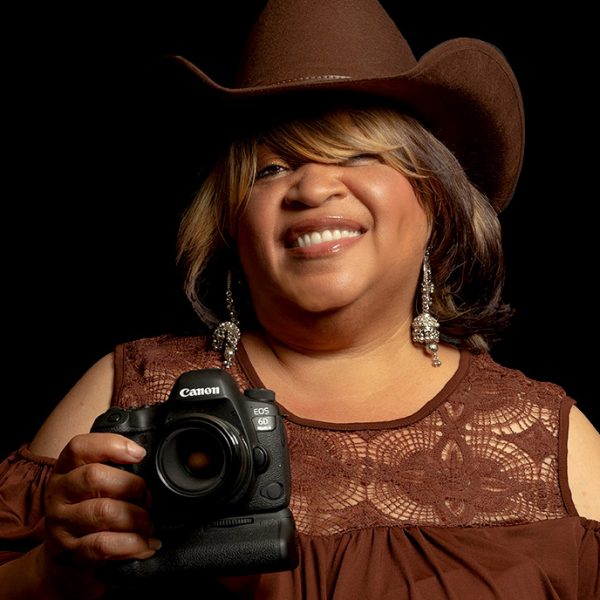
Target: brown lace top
(467, 498)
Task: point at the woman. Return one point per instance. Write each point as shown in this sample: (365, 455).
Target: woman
(340, 232)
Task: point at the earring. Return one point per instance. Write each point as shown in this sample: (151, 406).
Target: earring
(227, 334)
(424, 326)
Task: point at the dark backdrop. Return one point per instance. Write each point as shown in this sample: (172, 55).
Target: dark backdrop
(96, 177)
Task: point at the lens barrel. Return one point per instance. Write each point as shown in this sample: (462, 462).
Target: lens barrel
(203, 456)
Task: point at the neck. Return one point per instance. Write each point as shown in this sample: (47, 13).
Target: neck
(352, 330)
(346, 365)
(315, 348)
(379, 379)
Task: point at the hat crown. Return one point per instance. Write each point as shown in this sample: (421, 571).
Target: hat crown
(316, 40)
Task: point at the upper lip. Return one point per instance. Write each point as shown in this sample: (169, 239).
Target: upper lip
(319, 224)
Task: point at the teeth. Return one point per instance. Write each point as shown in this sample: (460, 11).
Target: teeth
(318, 237)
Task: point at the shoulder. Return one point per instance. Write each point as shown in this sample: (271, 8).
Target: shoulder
(583, 465)
(165, 350)
(578, 442)
(76, 412)
(514, 386)
(140, 367)
(162, 346)
(146, 369)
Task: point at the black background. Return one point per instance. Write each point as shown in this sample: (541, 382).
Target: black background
(96, 178)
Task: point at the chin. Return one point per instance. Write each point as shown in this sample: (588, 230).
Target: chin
(328, 290)
(323, 302)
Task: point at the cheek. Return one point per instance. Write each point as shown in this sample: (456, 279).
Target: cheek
(416, 218)
(247, 246)
(249, 224)
(254, 231)
(399, 210)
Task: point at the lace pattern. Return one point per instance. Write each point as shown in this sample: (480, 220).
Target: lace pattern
(487, 455)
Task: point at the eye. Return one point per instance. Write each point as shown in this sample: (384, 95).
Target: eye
(363, 159)
(270, 170)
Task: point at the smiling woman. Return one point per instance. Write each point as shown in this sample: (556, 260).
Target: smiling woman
(345, 249)
(359, 142)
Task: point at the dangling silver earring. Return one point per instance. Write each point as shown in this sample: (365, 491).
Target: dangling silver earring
(424, 326)
(227, 334)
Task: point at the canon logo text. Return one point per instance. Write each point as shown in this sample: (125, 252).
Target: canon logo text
(203, 391)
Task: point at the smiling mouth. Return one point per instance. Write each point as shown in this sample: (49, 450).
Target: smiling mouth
(313, 238)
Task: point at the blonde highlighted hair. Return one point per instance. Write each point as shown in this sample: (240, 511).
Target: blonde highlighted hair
(465, 243)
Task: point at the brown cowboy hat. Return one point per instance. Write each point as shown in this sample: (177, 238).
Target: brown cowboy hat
(463, 90)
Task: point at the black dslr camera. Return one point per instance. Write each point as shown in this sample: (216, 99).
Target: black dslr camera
(218, 470)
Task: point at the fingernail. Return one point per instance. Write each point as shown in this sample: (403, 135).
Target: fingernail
(138, 452)
(154, 544)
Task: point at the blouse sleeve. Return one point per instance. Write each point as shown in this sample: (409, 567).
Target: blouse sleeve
(23, 477)
(589, 560)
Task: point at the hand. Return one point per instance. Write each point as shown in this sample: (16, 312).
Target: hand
(94, 513)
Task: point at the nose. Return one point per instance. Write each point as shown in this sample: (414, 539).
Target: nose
(315, 184)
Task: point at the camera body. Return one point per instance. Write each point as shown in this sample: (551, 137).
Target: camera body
(218, 470)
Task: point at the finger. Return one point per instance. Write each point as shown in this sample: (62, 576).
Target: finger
(103, 481)
(97, 448)
(106, 545)
(103, 514)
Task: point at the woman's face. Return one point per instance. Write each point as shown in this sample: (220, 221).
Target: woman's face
(319, 237)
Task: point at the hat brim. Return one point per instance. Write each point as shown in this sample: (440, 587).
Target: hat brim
(463, 90)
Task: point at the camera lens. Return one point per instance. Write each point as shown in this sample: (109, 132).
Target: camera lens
(201, 454)
(204, 456)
